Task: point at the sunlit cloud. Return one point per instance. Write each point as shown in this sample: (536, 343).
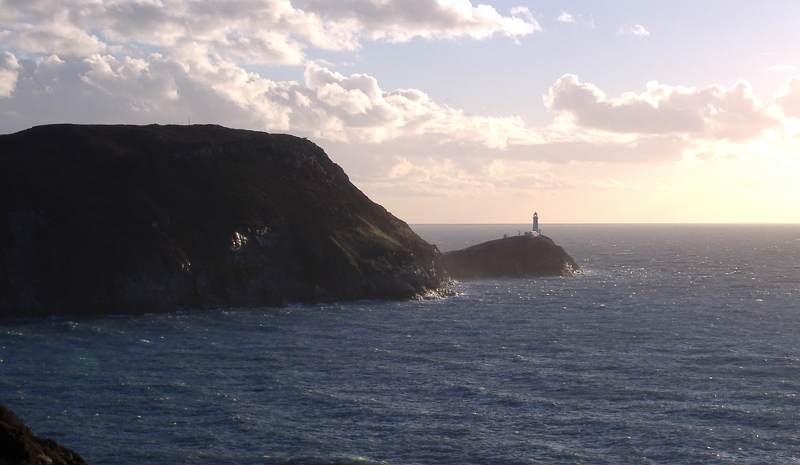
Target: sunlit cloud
(8, 74)
(713, 112)
(150, 61)
(636, 30)
(401, 21)
(267, 31)
(658, 125)
(788, 97)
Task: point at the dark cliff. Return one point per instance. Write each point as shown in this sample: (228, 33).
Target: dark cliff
(20, 446)
(131, 219)
(513, 257)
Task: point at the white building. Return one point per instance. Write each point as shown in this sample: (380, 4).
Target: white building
(535, 231)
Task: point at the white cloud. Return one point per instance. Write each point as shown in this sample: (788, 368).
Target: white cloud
(161, 61)
(658, 125)
(327, 106)
(713, 112)
(138, 80)
(256, 31)
(8, 73)
(164, 61)
(363, 112)
(565, 17)
(151, 61)
(269, 31)
(788, 97)
(532, 24)
(401, 20)
(636, 30)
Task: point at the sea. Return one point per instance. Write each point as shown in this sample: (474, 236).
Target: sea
(679, 344)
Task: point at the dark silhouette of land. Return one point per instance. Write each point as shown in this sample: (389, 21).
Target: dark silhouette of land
(133, 219)
(20, 446)
(513, 256)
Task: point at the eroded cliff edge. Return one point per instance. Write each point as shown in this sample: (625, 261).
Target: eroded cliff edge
(514, 256)
(131, 219)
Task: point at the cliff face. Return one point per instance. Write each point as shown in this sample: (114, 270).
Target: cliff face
(129, 219)
(513, 257)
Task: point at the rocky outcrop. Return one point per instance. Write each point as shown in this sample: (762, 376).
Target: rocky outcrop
(514, 256)
(132, 219)
(20, 446)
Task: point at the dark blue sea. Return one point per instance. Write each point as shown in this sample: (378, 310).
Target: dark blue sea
(679, 345)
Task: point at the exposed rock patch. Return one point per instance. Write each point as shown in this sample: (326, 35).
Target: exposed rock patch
(514, 256)
(132, 219)
(20, 446)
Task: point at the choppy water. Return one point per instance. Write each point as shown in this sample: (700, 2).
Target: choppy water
(680, 344)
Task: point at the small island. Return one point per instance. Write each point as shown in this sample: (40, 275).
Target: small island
(531, 254)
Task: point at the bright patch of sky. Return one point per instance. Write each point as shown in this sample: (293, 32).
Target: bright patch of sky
(451, 110)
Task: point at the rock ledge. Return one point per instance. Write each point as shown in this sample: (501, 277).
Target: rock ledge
(20, 446)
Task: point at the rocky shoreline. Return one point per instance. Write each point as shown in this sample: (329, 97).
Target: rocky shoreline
(19, 445)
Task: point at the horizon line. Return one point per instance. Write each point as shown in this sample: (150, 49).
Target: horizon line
(612, 224)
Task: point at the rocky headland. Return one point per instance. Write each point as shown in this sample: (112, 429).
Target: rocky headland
(515, 256)
(19, 445)
(131, 219)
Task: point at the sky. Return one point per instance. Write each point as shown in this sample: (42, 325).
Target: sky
(452, 111)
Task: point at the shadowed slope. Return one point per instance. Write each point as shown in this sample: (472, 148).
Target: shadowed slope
(130, 219)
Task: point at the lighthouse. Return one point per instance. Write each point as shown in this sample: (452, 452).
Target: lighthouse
(535, 223)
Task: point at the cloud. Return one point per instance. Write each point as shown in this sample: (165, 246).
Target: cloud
(354, 112)
(401, 20)
(8, 73)
(445, 178)
(164, 62)
(788, 97)
(327, 106)
(251, 31)
(269, 31)
(355, 109)
(636, 30)
(565, 17)
(713, 112)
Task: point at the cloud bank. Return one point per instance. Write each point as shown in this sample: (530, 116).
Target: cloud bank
(713, 112)
(656, 125)
(255, 31)
(146, 61)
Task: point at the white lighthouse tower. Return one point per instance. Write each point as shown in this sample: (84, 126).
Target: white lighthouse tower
(536, 223)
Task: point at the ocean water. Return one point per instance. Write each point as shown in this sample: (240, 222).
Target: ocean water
(679, 344)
